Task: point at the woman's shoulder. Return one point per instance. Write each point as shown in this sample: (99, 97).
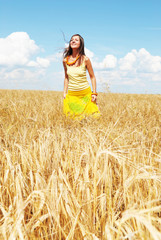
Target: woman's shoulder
(65, 60)
(86, 59)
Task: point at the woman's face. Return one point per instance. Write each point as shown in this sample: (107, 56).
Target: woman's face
(75, 42)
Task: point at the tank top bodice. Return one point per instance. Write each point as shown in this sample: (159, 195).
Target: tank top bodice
(77, 77)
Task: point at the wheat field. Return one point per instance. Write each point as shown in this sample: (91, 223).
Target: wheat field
(83, 180)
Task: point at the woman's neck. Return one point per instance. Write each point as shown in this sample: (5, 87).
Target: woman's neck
(75, 53)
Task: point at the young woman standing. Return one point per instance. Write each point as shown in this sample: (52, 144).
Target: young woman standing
(79, 100)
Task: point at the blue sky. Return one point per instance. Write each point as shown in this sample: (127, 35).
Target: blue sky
(122, 39)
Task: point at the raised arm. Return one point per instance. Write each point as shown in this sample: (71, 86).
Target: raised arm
(66, 81)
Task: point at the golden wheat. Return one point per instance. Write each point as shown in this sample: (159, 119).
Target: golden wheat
(81, 180)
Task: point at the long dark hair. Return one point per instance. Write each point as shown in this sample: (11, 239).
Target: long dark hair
(68, 50)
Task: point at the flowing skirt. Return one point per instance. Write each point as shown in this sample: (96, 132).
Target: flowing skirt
(78, 105)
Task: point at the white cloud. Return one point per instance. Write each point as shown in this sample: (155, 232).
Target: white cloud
(127, 63)
(89, 53)
(16, 60)
(40, 62)
(21, 75)
(43, 62)
(57, 57)
(134, 62)
(136, 68)
(109, 62)
(140, 61)
(16, 49)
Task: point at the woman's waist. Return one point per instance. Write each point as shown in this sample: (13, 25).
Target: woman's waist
(78, 92)
(77, 85)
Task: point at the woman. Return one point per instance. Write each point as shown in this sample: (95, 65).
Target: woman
(79, 100)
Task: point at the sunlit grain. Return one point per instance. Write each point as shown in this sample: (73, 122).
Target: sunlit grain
(82, 180)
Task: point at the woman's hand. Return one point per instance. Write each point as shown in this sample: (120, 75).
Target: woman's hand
(64, 95)
(94, 98)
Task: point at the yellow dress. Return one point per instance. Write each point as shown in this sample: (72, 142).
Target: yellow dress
(78, 104)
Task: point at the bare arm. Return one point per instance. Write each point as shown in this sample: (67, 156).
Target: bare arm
(92, 77)
(66, 81)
